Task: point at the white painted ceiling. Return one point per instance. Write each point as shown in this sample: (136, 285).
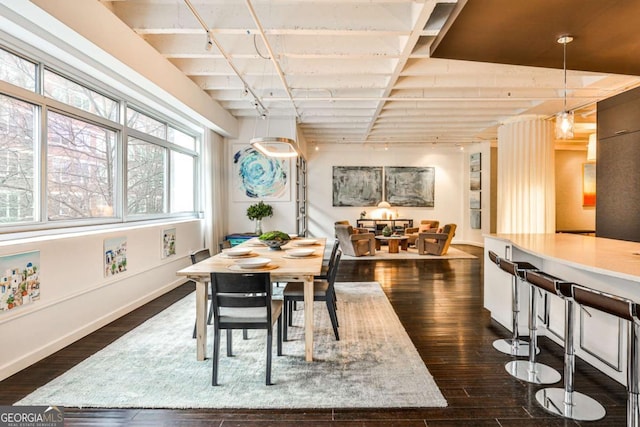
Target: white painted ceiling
(357, 71)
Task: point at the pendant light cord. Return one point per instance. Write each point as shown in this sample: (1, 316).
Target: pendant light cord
(564, 66)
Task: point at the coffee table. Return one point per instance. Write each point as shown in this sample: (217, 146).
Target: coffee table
(394, 242)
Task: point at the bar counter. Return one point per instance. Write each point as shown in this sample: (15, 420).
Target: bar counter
(600, 255)
(607, 265)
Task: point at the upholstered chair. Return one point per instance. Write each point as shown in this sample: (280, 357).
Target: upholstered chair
(436, 243)
(356, 230)
(426, 226)
(355, 244)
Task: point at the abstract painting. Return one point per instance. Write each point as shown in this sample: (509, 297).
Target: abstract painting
(475, 219)
(256, 176)
(19, 279)
(475, 182)
(115, 256)
(589, 184)
(474, 200)
(475, 162)
(410, 186)
(357, 185)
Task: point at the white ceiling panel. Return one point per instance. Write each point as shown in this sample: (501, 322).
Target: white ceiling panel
(355, 71)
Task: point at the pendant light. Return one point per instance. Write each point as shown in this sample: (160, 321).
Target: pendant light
(275, 146)
(564, 119)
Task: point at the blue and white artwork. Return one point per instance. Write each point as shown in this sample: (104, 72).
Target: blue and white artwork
(19, 280)
(256, 176)
(115, 256)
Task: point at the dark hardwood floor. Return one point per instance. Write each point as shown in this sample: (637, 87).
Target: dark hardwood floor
(439, 303)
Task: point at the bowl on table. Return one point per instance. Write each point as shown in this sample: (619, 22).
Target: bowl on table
(236, 252)
(275, 244)
(306, 242)
(253, 262)
(301, 252)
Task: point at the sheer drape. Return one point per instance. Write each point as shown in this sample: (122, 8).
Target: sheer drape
(526, 177)
(214, 184)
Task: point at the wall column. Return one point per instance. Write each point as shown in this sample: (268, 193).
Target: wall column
(526, 176)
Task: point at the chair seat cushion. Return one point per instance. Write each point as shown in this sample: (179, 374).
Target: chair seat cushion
(296, 289)
(250, 314)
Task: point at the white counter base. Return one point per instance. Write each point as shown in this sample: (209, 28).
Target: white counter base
(603, 264)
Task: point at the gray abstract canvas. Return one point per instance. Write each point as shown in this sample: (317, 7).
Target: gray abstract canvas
(410, 186)
(357, 185)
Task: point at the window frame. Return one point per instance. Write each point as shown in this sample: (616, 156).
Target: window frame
(44, 104)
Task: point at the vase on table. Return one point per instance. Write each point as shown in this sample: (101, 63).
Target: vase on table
(258, 230)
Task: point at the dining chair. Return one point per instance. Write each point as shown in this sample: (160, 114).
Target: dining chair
(326, 267)
(243, 301)
(323, 290)
(196, 257)
(327, 263)
(225, 244)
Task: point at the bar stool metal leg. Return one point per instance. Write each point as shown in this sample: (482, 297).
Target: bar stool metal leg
(530, 370)
(566, 402)
(514, 345)
(633, 363)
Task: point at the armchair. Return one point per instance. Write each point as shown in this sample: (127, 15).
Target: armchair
(356, 230)
(355, 244)
(436, 243)
(426, 226)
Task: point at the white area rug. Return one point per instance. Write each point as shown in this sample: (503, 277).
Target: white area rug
(410, 253)
(154, 366)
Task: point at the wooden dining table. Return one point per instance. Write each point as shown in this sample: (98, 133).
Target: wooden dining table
(283, 268)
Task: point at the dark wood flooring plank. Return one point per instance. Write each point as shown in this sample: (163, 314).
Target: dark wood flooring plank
(440, 304)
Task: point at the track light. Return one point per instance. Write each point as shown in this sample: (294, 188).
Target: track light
(209, 45)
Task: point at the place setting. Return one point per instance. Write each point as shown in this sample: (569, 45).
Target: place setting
(260, 263)
(305, 242)
(299, 253)
(238, 252)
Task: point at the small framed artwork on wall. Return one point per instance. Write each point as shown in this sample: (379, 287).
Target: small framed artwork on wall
(475, 162)
(475, 219)
(474, 200)
(475, 182)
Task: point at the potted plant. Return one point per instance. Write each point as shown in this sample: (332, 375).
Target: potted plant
(257, 211)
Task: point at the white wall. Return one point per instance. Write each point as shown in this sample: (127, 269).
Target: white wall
(451, 184)
(570, 213)
(76, 298)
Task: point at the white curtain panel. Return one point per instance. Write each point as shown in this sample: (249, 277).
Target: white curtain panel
(526, 176)
(215, 199)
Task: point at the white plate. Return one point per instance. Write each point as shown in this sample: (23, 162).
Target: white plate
(293, 236)
(253, 262)
(300, 252)
(306, 242)
(236, 251)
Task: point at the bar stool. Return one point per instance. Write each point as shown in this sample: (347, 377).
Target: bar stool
(566, 402)
(513, 346)
(530, 370)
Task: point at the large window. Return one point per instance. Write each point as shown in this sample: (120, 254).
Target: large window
(17, 71)
(73, 94)
(81, 169)
(97, 165)
(17, 161)
(182, 178)
(146, 177)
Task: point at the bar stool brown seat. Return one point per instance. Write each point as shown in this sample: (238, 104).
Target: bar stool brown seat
(566, 402)
(530, 370)
(514, 345)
